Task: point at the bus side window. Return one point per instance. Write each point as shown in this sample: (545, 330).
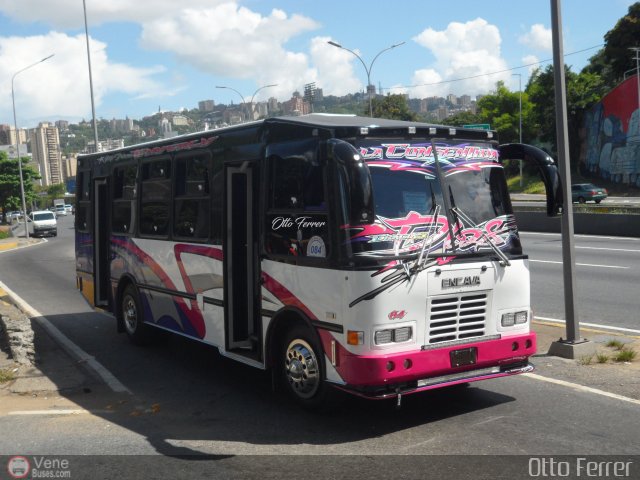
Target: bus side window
(124, 197)
(155, 198)
(191, 204)
(297, 220)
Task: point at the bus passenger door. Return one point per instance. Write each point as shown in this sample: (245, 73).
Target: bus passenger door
(241, 332)
(101, 260)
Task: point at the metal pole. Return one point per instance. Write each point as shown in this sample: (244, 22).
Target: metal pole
(520, 128)
(93, 106)
(254, 94)
(230, 88)
(366, 69)
(15, 123)
(568, 256)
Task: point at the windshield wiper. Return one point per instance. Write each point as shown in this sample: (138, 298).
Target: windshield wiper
(504, 261)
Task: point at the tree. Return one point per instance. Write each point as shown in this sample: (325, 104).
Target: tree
(393, 106)
(462, 118)
(10, 198)
(502, 111)
(583, 91)
(625, 34)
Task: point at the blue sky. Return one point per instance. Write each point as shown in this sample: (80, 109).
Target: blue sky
(169, 55)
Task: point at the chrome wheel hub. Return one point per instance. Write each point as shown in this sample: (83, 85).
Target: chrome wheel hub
(130, 314)
(301, 368)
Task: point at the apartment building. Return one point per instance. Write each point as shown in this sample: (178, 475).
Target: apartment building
(45, 148)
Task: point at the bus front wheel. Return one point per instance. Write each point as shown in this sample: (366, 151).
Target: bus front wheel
(301, 368)
(132, 316)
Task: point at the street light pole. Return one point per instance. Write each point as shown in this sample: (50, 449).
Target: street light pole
(15, 122)
(93, 106)
(366, 69)
(252, 96)
(520, 127)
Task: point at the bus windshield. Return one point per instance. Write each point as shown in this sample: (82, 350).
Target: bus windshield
(411, 212)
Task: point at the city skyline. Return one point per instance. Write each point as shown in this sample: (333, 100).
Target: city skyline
(174, 56)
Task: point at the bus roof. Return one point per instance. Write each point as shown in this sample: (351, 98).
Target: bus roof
(347, 124)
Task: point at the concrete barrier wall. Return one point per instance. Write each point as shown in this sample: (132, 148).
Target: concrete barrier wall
(584, 223)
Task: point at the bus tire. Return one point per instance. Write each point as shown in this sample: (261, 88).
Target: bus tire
(132, 316)
(301, 369)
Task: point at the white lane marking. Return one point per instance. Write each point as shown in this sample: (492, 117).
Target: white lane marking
(582, 388)
(592, 325)
(71, 348)
(631, 239)
(608, 249)
(68, 411)
(580, 264)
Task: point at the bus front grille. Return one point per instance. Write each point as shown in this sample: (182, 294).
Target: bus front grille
(456, 317)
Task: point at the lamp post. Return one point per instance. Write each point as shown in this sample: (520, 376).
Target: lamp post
(367, 69)
(252, 96)
(519, 75)
(93, 106)
(15, 122)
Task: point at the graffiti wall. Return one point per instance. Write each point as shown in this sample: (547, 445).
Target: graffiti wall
(612, 135)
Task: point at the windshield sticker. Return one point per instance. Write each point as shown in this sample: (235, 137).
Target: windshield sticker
(419, 158)
(411, 237)
(410, 233)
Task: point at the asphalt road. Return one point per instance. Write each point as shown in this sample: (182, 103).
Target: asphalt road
(607, 274)
(186, 399)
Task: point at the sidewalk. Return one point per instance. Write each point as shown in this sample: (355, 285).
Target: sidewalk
(31, 356)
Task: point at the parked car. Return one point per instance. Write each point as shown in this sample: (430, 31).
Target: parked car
(61, 210)
(11, 216)
(42, 222)
(586, 192)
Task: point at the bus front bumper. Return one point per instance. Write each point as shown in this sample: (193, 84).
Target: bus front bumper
(387, 376)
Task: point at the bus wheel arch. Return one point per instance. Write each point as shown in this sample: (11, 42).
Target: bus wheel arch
(296, 358)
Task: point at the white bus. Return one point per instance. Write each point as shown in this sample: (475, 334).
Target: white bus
(376, 256)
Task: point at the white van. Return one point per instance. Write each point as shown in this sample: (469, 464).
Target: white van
(42, 222)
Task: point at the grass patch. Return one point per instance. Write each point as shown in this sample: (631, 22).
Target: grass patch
(602, 358)
(4, 235)
(586, 360)
(617, 344)
(625, 355)
(6, 375)
(530, 185)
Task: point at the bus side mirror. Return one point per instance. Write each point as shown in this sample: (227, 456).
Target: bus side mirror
(546, 167)
(358, 181)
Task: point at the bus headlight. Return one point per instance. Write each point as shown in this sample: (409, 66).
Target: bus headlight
(393, 335)
(514, 318)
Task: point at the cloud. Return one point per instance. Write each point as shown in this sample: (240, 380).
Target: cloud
(538, 38)
(60, 86)
(470, 49)
(532, 61)
(70, 14)
(335, 68)
(231, 41)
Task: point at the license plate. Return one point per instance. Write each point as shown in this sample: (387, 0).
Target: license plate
(465, 356)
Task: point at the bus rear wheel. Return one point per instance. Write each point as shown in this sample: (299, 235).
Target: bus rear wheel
(132, 316)
(301, 368)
